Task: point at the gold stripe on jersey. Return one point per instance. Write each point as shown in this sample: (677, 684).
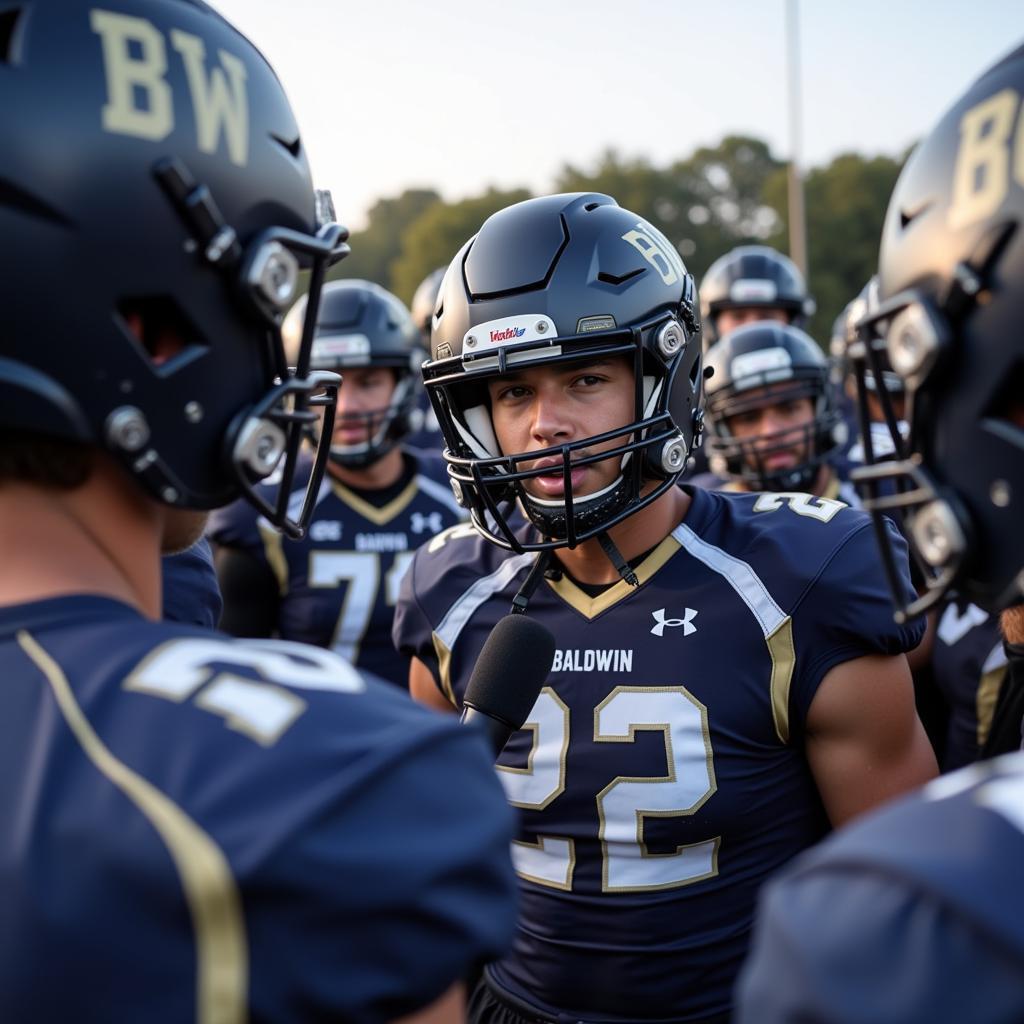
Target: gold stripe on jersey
(590, 607)
(377, 516)
(776, 626)
(222, 954)
(783, 652)
(831, 491)
(273, 549)
(444, 668)
(986, 698)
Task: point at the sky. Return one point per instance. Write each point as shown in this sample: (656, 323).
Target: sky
(458, 95)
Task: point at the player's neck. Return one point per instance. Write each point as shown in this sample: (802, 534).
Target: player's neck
(101, 538)
(589, 564)
(382, 473)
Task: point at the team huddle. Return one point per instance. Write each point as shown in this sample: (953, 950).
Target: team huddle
(261, 530)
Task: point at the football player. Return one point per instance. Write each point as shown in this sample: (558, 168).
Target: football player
(426, 433)
(748, 283)
(917, 913)
(336, 587)
(728, 679)
(195, 828)
(772, 423)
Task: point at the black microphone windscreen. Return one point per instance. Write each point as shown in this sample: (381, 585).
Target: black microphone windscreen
(512, 667)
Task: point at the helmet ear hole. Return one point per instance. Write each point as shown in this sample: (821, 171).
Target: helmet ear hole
(160, 329)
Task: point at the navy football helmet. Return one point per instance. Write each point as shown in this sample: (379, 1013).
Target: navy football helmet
(553, 281)
(753, 277)
(757, 365)
(361, 324)
(153, 167)
(951, 305)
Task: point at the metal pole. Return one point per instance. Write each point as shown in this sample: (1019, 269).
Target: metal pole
(797, 219)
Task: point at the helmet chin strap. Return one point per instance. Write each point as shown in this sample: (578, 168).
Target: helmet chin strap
(622, 567)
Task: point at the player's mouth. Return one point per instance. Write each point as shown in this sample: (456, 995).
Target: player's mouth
(552, 484)
(779, 460)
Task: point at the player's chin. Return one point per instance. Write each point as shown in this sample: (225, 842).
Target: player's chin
(182, 528)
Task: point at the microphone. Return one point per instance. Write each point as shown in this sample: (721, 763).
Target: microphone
(507, 677)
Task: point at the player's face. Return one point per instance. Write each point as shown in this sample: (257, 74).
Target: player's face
(542, 407)
(729, 319)
(778, 430)
(362, 404)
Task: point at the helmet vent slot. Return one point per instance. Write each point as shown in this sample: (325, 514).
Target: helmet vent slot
(619, 279)
(294, 146)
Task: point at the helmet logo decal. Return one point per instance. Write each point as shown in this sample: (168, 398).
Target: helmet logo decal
(510, 330)
(220, 101)
(981, 177)
(656, 249)
(753, 289)
(761, 361)
(336, 346)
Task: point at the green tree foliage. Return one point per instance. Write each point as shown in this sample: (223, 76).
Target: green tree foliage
(845, 205)
(433, 239)
(706, 203)
(376, 247)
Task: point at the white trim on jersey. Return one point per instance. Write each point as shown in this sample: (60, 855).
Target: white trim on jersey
(482, 590)
(739, 575)
(439, 493)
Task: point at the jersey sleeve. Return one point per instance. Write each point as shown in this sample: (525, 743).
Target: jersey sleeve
(860, 949)
(846, 612)
(411, 630)
(408, 869)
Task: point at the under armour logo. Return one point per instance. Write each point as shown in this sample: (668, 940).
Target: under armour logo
(658, 629)
(420, 522)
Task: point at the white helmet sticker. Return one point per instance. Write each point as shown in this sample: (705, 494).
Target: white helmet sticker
(753, 289)
(341, 346)
(509, 330)
(762, 362)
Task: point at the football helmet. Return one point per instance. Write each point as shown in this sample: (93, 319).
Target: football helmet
(361, 324)
(780, 363)
(425, 299)
(175, 212)
(752, 277)
(553, 281)
(951, 305)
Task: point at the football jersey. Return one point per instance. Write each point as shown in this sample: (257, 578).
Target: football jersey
(969, 666)
(338, 585)
(190, 590)
(912, 913)
(660, 777)
(835, 490)
(204, 829)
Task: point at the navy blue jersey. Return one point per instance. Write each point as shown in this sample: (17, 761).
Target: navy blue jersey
(191, 593)
(203, 829)
(338, 585)
(913, 913)
(836, 489)
(969, 665)
(661, 775)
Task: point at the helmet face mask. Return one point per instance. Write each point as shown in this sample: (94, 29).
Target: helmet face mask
(185, 219)
(624, 304)
(362, 326)
(758, 366)
(951, 290)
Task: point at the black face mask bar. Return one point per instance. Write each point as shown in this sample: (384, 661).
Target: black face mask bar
(265, 274)
(919, 332)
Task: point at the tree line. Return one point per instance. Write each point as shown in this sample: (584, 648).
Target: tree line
(716, 198)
